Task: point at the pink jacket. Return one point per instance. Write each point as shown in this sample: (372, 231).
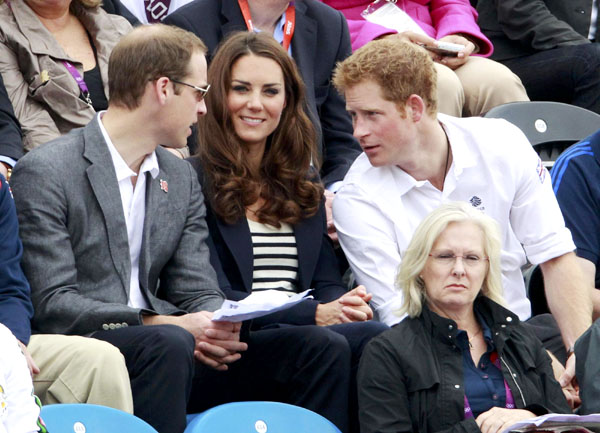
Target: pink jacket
(438, 18)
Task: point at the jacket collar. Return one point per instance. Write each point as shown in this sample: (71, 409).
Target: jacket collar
(501, 322)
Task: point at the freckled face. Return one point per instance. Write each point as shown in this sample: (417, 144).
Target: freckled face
(385, 133)
(256, 98)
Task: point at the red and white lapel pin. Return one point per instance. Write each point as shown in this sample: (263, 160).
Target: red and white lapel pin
(164, 185)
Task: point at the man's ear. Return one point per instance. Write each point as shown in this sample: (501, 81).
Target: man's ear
(415, 107)
(162, 89)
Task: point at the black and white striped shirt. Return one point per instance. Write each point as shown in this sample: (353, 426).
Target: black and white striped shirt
(275, 257)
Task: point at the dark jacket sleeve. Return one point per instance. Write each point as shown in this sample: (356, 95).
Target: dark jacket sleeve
(383, 397)
(11, 144)
(555, 401)
(15, 304)
(534, 25)
(115, 7)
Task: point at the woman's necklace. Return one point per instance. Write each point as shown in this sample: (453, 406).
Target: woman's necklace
(474, 335)
(447, 157)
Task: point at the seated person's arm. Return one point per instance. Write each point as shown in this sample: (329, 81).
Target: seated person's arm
(531, 23)
(589, 273)
(49, 260)
(11, 146)
(15, 304)
(37, 125)
(369, 242)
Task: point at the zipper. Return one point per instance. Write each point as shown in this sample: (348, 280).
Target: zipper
(514, 380)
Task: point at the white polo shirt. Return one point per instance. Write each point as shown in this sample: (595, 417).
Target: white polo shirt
(494, 168)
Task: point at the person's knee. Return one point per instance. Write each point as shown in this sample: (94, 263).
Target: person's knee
(487, 83)
(451, 96)
(587, 59)
(173, 343)
(327, 344)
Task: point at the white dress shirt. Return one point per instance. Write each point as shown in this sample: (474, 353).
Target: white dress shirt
(134, 209)
(494, 167)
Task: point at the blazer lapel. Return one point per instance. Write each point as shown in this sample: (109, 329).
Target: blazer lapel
(103, 180)
(239, 241)
(156, 203)
(304, 48)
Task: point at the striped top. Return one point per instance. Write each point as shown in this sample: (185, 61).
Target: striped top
(275, 257)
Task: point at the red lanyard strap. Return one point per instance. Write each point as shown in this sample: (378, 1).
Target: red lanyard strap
(288, 28)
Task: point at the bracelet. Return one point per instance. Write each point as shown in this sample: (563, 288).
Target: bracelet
(8, 174)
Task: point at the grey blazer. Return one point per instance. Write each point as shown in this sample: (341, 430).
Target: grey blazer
(76, 252)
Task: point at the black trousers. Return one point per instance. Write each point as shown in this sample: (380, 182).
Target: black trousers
(568, 74)
(308, 366)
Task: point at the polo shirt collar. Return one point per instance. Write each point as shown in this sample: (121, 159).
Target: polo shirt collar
(462, 157)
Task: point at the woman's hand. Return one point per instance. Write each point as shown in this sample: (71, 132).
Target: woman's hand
(463, 55)
(350, 307)
(497, 419)
(415, 38)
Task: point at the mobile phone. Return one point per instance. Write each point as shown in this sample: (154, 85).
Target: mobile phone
(445, 49)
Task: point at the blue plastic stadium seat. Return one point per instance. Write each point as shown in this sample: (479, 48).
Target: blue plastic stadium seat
(259, 417)
(91, 418)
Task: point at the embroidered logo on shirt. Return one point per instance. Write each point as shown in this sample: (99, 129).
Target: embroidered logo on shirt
(475, 201)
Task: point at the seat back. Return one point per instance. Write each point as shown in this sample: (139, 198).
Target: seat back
(259, 417)
(550, 127)
(91, 418)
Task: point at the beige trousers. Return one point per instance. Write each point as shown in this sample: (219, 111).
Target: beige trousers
(477, 86)
(77, 369)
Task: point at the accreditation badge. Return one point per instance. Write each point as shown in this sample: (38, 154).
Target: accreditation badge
(387, 14)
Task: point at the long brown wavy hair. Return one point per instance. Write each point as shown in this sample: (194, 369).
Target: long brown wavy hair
(285, 179)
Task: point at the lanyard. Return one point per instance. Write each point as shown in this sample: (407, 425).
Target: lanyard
(510, 400)
(80, 82)
(288, 28)
(156, 10)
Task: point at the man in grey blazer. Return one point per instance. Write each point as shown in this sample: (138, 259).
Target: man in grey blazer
(115, 247)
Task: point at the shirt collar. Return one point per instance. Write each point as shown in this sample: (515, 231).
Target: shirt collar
(123, 171)
(462, 157)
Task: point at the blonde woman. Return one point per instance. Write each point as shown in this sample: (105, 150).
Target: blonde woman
(460, 361)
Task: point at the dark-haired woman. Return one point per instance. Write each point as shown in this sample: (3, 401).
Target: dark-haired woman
(265, 208)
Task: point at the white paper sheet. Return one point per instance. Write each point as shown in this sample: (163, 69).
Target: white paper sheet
(554, 418)
(257, 305)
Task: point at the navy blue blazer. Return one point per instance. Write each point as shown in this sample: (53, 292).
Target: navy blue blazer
(11, 144)
(15, 302)
(321, 39)
(231, 255)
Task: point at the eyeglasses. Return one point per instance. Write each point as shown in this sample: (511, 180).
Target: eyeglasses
(200, 92)
(448, 259)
